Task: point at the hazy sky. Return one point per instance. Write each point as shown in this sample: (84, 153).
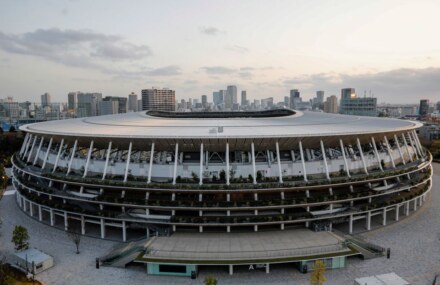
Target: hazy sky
(195, 47)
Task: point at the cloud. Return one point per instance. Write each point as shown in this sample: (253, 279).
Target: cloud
(210, 31)
(237, 48)
(164, 71)
(398, 85)
(81, 48)
(218, 70)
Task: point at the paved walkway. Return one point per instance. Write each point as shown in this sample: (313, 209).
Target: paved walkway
(414, 243)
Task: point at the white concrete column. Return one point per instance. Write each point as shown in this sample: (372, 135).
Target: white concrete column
(413, 145)
(397, 213)
(151, 163)
(124, 231)
(390, 154)
(127, 165)
(407, 148)
(417, 139)
(413, 134)
(89, 154)
(26, 149)
(254, 171)
(47, 153)
(407, 208)
(399, 149)
(32, 149)
(38, 150)
(267, 268)
(102, 228)
(52, 218)
(201, 165)
(176, 159)
(227, 163)
(345, 158)
(415, 204)
(373, 141)
(350, 224)
(72, 156)
(83, 225)
(384, 217)
(361, 152)
(324, 157)
(26, 138)
(368, 220)
(58, 156)
(302, 160)
(66, 222)
(31, 208)
(107, 158)
(40, 213)
(231, 269)
(279, 163)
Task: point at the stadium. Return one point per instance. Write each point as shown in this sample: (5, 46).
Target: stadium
(223, 188)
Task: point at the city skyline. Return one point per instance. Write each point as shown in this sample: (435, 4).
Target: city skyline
(75, 45)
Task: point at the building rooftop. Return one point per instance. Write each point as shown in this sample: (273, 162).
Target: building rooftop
(205, 126)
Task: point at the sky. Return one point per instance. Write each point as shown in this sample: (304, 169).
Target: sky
(390, 49)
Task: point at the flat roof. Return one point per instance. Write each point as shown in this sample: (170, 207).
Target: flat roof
(243, 248)
(141, 125)
(33, 255)
(382, 279)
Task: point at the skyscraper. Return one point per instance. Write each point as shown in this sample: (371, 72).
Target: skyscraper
(88, 104)
(352, 105)
(45, 100)
(319, 97)
(232, 91)
(424, 107)
(331, 104)
(72, 100)
(204, 101)
(348, 93)
(216, 99)
(243, 98)
(295, 98)
(132, 102)
(159, 99)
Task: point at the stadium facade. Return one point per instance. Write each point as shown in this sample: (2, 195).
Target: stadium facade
(155, 173)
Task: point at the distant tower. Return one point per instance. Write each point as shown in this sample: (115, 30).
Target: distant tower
(45, 100)
(243, 98)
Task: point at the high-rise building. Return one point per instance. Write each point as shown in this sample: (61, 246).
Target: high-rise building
(121, 102)
(295, 98)
(348, 93)
(88, 104)
(159, 99)
(227, 99)
(109, 107)
(286, 101)
(424, 107)
(331, 104)
(132, 102)
(72, 100)
(243, 98)
(216, 99)
(352, 105)
(45, 100)
(319, 97)
(232, 90)
(204, 101)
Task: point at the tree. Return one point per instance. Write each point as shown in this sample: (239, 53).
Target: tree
(222, 175)
(5, 272)
(317, 276)
(74, 234)
(20, 238)
(12, 129)
(210, 280)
